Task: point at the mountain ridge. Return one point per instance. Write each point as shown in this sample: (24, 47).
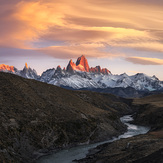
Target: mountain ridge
(82, 65)
(80, 76)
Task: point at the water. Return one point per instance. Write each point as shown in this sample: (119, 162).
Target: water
(79, 152)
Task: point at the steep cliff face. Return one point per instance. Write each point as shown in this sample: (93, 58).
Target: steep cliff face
(27, 72)
(82, 62)
(71, 66)
(82, 65)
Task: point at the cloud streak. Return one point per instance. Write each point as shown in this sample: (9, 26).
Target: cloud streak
(73, 51)
(145, 61)
(89, 25)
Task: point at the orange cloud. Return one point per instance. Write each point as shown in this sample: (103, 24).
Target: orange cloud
(129, 24)
(145, 61)
(75, 50)
(25, 21)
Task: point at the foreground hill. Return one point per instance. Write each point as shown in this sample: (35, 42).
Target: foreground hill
(36, 117)
(146, 148)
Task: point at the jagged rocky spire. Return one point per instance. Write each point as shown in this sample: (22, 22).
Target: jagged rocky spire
(82, 61)
(26, 65)
(82, 65)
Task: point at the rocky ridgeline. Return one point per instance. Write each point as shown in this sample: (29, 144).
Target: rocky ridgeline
(7, 68)
(27, 72)
(82, 65)
(80, 76)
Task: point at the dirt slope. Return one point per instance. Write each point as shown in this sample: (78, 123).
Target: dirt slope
(36, 117)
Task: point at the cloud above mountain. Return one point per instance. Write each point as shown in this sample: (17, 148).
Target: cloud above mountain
(145, 61)
(90, 26)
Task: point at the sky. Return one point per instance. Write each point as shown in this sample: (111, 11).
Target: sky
(121, 35)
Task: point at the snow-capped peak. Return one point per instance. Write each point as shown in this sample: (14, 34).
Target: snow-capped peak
(79, 76)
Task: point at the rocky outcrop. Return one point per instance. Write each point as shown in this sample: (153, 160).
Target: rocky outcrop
(98, 69)
(82, 65)
(82, 62)
(71, 66)
(27, 72)
(59, 69)
(4, 67)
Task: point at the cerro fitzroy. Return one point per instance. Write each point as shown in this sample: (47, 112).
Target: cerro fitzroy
(80, 75)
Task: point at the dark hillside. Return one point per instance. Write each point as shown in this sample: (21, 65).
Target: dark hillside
(36, 117)
(146, 148)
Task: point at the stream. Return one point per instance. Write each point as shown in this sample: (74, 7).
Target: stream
(79, 152)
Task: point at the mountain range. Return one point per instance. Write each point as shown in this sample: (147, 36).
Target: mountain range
(80, 76)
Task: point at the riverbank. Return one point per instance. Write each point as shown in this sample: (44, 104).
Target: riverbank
(67, 156)
(139, 149)
(146, 148)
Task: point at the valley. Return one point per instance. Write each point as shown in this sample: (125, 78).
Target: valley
(39, 119)
(73, 154)
(81, 81)
(138, 149)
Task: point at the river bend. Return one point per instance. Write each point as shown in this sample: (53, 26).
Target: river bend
(79, 152)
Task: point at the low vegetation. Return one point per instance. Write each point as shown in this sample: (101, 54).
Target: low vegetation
(37, 118)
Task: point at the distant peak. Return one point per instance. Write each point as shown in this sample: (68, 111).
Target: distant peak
(140, 74)
(154, 77)
(58, 67)
(98, 69)
(82, 56)
(124, 74)
(26, 65)
(71, 66)
(82, 65)
(4, 67)
(82, 61)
